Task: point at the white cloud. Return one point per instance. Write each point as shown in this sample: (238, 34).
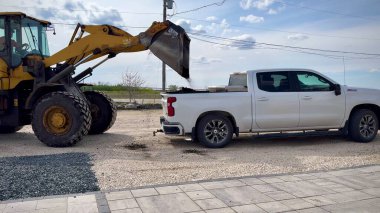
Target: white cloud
(222, 27)
(224, 24)
(252, 19)
(79, 11)
(186, 25)
(229, 30)
(242, 42)
(272, 11)
(205, 60)
(298, 37)
(275, 11)
(374, 70)
(211, 18)
(258, 4)
(245, 4)
(199, 28)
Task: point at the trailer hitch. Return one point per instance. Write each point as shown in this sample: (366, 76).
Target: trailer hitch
(157, 131)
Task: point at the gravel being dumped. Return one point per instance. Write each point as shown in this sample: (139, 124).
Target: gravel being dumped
(43, 175)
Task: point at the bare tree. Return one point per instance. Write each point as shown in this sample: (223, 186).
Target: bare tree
(132, 81)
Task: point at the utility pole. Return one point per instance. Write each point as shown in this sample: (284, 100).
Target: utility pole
(163, 64)
(167, 4)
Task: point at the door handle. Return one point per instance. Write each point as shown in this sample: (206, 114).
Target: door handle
(307, 98)
(263, 99)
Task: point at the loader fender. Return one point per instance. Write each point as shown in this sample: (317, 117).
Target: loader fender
(41, 90)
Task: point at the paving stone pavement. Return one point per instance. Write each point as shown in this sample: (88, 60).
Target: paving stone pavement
(344, 190)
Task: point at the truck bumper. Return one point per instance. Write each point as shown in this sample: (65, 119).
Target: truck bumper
(170, 128)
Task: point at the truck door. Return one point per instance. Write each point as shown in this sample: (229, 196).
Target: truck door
(319, 106)
(277, 104)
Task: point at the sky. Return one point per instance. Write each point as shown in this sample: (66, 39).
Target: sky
(350, 26)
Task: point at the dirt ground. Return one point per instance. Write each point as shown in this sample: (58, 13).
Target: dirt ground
(128, 155)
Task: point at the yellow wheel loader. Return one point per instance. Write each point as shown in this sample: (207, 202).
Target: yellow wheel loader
(45, 90)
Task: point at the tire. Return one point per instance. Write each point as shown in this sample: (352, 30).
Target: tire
(214, 131)
(9, 129)
(61, 119)
(103, 112)
(363, 126)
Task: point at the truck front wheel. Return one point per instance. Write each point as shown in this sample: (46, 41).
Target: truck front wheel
(363, 126)
(214, 131)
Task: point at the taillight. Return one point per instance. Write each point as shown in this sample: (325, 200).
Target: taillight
(171, 111)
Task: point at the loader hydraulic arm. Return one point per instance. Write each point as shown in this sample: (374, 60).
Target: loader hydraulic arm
(167, 41)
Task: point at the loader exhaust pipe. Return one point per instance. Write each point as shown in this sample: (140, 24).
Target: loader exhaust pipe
(172, 46)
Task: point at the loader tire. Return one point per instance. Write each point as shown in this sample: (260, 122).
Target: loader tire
(9, 129)
(103, 112)
(61, 119)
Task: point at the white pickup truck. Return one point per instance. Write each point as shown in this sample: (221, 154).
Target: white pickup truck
(272, 100)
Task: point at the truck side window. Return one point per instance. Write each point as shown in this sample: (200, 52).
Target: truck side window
(2, 35)
(273, 81)
(311, 82)
(15, 42)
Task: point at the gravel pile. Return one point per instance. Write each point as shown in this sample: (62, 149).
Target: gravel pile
(35, 176)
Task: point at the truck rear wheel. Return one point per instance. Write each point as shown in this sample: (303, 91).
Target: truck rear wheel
(103, 112)
(61, 119)
(214, 131)
(9, 129)
(363, 126)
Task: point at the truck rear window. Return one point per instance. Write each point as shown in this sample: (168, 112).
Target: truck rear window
(238, 80)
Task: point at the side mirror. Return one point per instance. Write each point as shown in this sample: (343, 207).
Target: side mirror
(337, 89)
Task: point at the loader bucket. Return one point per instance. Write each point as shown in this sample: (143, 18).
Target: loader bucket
(172, 47)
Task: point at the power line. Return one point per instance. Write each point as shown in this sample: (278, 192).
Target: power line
(229, 45)
(324, 11)
(261, 43)
(74, 24)
(290, 50)
(83, 10)
(287, 46)
(285, 31)
(201, 7)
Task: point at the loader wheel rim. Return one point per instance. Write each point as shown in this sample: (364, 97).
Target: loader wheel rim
(57, 120)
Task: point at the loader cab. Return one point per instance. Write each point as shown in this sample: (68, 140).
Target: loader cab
(20, 36)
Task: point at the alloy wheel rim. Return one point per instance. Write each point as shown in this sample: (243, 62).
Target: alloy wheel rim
(216, 131)
(367, 126)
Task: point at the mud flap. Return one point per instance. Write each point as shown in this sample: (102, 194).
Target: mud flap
(172, 46)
